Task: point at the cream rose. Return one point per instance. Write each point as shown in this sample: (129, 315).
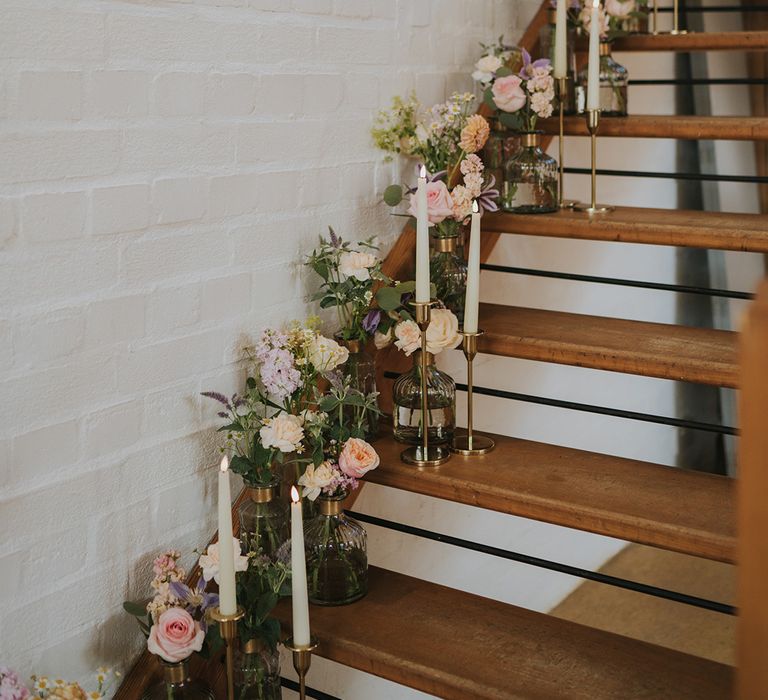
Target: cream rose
(408, 337)
(489, 64)
(326, 354)
(357, 458)
(443, 331)
(284, 431)
(439, 202)
(314, 479)
(175, 636)
(357, 265)
(619, 9)
(508, 94)
(382, 340)
(209, 562)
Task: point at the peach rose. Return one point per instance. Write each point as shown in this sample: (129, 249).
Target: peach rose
(408, 337)
(357, 458)
(439, 202)
(175, 636)
(443, 331)
(619, 9)
(508, 95)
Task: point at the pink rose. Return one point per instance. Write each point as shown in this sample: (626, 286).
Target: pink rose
(175, 636)
(357, 458)
(439, 202)
(508, 94)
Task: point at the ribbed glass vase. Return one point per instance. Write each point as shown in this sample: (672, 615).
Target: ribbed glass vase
(361, 368)
(178, 685)
(337, 558)
(614, 81)
(264, 519)
(448, 271)
(530, 179)
(257, 672)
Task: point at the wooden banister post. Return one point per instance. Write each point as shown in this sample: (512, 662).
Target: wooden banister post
(752, 552)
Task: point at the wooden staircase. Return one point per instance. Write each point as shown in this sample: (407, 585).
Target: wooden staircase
(458, 645)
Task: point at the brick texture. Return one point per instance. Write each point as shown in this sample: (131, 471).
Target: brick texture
(165, 165)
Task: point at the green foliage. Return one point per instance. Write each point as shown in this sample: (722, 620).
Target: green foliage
(393, 195)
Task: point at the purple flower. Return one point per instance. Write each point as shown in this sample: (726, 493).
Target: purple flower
(216, 396)
(335, 240)
(195, 599)
(278, 373)
(487, 198)
(371, 321)
(527, 71)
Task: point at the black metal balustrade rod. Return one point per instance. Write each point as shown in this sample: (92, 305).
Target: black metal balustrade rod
(547, 564)
(702, 177)
(701, 81)
(311, 692)
(681, 289)
(589, 408)
(718, 8)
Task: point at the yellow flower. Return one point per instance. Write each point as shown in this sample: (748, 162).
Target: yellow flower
(474, 134)
(59, 682)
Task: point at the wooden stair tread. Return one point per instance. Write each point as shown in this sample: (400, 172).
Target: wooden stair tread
(672, 127)
(637, 501)
(457, 645)
(660, 350)
(699, 229)
(695, 41)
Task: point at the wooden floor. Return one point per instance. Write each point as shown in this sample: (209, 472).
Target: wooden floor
(703, 633)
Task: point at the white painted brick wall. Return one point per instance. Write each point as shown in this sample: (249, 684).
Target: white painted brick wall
(165, 166)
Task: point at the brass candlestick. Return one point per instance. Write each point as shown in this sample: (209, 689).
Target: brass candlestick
(562, 89)
(593, 123)
(675, 23)
(424, 455)
(228, 631)
(655, 17)
(471, 444)
(302, 658)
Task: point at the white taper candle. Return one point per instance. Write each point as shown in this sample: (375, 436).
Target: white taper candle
(299, 602)
(560, 68)
(227, 596)
(593, 75)
(472, 298)
(422, 239)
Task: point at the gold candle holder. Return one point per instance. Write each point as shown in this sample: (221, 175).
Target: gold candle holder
(302, 659)
(562, 89)
(593, 124)
(424, 455)
(655, 17)
(228, 631)
(675, 20)
(471, 444)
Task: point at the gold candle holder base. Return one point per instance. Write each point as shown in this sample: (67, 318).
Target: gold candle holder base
(593, 124)
(424, 455)
(302, 659)
(228, 631)
(471, 444)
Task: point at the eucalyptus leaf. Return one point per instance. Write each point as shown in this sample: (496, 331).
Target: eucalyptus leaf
(393, 195)
(388, 298)
(135, 609)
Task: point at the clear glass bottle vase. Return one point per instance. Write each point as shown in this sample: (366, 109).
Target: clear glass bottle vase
(530, 179)
(614, 80)
(257, 672)
(361, 368)
(448, 271)
(441, 404)
(264, 519)
(337, 554)
(501, 145)
(178, 685)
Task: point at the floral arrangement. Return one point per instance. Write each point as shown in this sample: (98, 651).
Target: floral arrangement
(174, 620)
(12, 688)
(498, 59)
(348, 276)
(521, 98)
(614, 17)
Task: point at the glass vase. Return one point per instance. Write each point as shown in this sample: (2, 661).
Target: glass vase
(257, 672)
(337, 559)
(530, 179)
(547, 50)
(441, 402)
(448, 271)
(264, 519)
(177, 685)
(501, 145)
(361, 368)
(613, 85)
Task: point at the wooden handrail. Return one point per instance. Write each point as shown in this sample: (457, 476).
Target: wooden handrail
(752, 500)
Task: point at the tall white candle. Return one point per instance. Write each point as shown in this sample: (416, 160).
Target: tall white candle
(472, 298)
(227, 597)
(300, 604)
(560, 68)
(593, 75)
(422, 239)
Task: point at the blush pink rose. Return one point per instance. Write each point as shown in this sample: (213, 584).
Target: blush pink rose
(508, 93)
(357, 458)
(439, 202)
(175, 636)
